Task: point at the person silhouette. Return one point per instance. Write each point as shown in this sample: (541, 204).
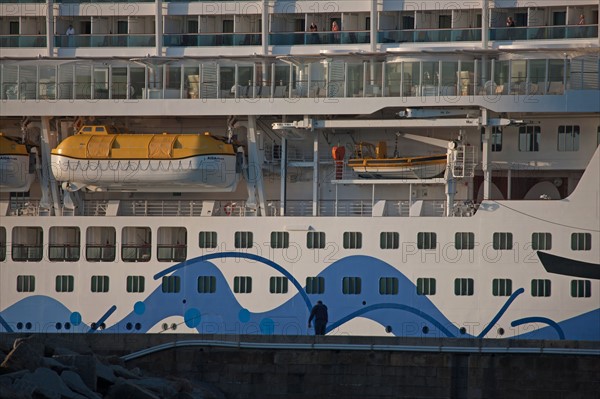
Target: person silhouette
(320, 315)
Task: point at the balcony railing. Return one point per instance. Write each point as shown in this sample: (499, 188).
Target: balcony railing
(22, 40)
(100, 252)
(429, 35)
(171, 252)
(136, 252)
(27, 253)
(138, 40)
(301, 38)
(545, 32)
(212, 39)
(63, 252)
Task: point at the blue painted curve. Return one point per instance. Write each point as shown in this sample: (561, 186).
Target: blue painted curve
(501, 312)
(551, 323)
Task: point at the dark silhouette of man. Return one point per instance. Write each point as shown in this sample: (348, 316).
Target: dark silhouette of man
(319, 313)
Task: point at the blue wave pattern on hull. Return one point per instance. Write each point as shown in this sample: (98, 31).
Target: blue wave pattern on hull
(404, 314)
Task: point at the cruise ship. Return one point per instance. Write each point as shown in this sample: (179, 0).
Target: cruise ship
(424, 168)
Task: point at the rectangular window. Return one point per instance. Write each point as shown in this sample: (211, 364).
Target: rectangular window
(540, 287)
(581, 241)
(25, 283)
(2, 244)
(352, 240)
(207, 284)
(501, 287)
(242, 285)
(426, 286)
(351, 285)
(64, 244)
(136, 283)
(100, 283)
(495, 139)
(171, 244)
(171, 284)
(207, 239)
(315, 240)
(426, 240)
(541, 241)
(315, 285)
(568, 138)
(280, 239)
(581, 288)
(503, 241)
(278, 285)
(389, 240)
(136, 244)
(243, 239)
(65, 283)
(464, 240)
(529, 138)
(27, 244)
(100, 244)
(388, 286)
(463, 286)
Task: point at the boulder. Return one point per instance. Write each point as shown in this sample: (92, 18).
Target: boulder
(128, 389)
(27, 354)
(121, 371)
(76, 384)
(161, 386)
(84, 365)
(49, 384)
(15, 390)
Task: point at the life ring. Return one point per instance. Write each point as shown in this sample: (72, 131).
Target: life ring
(229, 208)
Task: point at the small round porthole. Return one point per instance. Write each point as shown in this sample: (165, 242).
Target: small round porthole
(388, 329)
(173, 326)
(425, 330)
(19, 326)
(129, 326)
(501, 331)
(165, 326)
(58, 326)
(463, 331)
(28, 325)
(138, 326)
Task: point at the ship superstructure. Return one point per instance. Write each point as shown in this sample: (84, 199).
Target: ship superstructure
(426, 170)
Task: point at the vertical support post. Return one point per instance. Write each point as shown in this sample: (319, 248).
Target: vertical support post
(50, 28)
(485, 15)
(373, 27)
(283, 174)
(264, 33)
(509, 183)
(48, 184)
(255, 164)
(315, 201)
(158, 27)
(485, 157)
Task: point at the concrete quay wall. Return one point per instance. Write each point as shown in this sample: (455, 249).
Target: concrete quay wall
(362, 367)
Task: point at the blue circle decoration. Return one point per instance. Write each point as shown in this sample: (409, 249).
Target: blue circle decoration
(139, 307)
(75, 318)
(267, 326)
(192, 317)
(244, 315)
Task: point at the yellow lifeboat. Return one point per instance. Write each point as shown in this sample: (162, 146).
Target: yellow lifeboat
(99, 158)
(17, 164)
(371, 161)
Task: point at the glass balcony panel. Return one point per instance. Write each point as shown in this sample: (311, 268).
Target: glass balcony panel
(22, 41)
(138, 40)
(211, 40)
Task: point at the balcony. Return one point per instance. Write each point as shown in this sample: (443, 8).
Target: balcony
(301, 38)
(429, 35)
(212, 39)
(131, 40)
(545, 32)
(22, 41)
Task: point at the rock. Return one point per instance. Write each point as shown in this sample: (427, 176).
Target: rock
(54, 364)
(76, 384)
(50, 385)
(206, 391)
(84, 365)
(121, 371)
(161, 386)
(27, 354)
(15, 390)
(127, 389)
(105, 372)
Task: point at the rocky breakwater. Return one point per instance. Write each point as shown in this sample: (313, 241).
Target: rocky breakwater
(47, 367)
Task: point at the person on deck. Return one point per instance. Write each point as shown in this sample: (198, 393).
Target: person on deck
(319, 314)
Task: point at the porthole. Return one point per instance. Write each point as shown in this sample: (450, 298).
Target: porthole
(165, 326)
(129, 326)
(67, 326)
(388, 329)
(19, 326)
(173, 326)
(463, 331)
(93, 326)
(501, 331)
(425, 330)
(28, 325)
(138, 326)
(58, 326)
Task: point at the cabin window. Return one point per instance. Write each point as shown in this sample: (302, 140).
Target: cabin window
(540, 287)
(495, 139)
(100, 283)
(136, 283)
(464, 240)
(581, 288)
(529, 138)
(243, 239)
(27, 244)
(137, 244)
(242, 284)
(426, 286)
(351, 285)
(352, 240)
(86, 129)
(64, 244)
(315, 285)
(207, 239)
(503, 241)
(581, 241)
(171, 284)
(426, 240)
(568, 138)
(388, 286)
(278, 285)
(65, 283)
(389, 240)
(501, 287)
(207, 284)
(280, 239)
(541, 241)
(100, 244)
(315, 240)
(171, 244)
(2, 244)
(463, 286)
(25, 283)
